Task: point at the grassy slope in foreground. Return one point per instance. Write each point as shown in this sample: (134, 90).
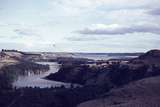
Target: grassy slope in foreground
(142, 93)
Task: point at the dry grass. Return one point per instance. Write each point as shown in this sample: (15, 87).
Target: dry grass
(142, 93)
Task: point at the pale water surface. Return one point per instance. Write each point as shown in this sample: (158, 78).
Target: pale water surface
(37, 80)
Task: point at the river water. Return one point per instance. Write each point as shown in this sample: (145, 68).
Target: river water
(37, 80)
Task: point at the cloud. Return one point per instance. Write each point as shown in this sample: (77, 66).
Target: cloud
(155, 11)
(26, 32)
(80, 38)
(110, 3)
(115, 29)
(77, 7)
(53, 20)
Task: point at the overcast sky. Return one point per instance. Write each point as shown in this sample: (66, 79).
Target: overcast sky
(80, 25)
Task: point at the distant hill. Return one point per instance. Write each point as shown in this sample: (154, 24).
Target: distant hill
(151, 54)
(15, 54)
(7, 58)
(150, 57)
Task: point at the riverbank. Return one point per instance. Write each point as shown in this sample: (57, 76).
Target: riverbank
(99, 80)
(38, 80)
(12, 65)
(110, 75)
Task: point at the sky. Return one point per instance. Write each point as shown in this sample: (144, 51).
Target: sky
(80, 25)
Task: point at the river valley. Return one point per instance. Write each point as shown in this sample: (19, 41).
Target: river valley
(37, 80)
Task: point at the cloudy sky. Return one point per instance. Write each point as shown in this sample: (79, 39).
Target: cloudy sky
(80, 25)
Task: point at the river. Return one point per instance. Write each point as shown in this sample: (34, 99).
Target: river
(37, 80)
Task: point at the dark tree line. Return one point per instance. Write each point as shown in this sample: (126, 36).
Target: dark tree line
(9, 73)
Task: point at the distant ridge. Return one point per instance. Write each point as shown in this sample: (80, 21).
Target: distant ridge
(151, 54)
(150, 57)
